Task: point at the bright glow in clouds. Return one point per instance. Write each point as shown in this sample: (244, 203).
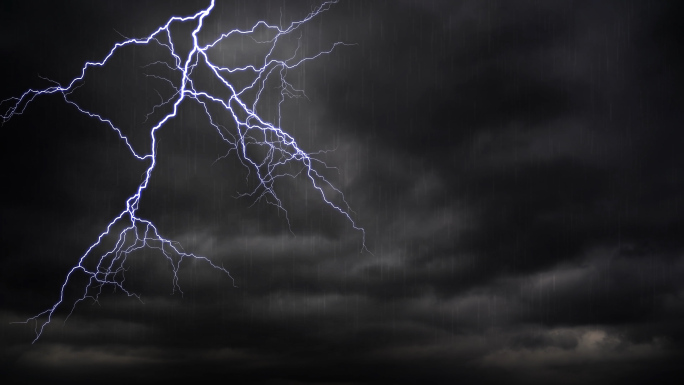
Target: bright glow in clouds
(251, 129)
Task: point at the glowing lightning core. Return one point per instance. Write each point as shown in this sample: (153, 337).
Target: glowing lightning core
(282, 149)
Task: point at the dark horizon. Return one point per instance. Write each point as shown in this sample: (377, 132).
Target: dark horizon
(515, 165)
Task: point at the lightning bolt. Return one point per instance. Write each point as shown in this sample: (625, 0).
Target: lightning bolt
(281, 149)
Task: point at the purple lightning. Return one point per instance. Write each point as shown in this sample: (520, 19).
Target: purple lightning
(250, 128)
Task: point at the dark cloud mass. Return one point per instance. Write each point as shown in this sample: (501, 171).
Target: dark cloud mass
(516, 166)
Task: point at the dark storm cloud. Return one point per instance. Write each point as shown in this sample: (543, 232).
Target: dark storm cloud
(515, 166)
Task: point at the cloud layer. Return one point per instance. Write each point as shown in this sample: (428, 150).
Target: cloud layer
(516, 167)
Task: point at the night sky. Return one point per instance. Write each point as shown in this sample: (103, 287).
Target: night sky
(516, 166)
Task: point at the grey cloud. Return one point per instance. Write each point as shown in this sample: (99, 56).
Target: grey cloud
(514, 165)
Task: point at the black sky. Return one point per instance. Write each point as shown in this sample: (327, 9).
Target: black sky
(516, 166)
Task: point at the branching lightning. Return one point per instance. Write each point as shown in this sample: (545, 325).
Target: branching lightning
(281, 149)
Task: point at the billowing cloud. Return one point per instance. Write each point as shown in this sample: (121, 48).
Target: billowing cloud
(516, 168)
